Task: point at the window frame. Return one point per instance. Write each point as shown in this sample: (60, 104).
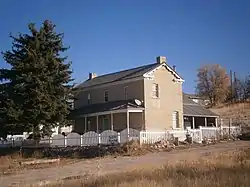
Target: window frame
(106, 96)
(89, 98)
(176, 125)
(155, 90)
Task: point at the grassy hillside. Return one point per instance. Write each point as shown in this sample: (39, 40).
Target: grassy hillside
(235, 111)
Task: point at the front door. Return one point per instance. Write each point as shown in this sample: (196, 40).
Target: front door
(105, 124)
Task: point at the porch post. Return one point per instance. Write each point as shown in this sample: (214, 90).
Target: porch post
(142, 121)
(128, 122)
(221, 122)
(111, 121)
(97, 125)
(193, 122)
(216, 122)
(85, 124)
(205, 122)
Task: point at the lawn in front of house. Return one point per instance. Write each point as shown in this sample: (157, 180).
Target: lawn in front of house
(223, 170)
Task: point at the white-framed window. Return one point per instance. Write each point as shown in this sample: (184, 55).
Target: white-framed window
(175, 119)
(106, 96)
(155, 90)
(125, 92)
(89, 98)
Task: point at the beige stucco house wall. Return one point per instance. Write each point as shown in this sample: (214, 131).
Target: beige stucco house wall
(159, 111)
(116, 91)
(135, 90)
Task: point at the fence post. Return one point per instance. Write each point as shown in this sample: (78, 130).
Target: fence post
(221, 132)
(12, 143)
(221, 122)
(201, 138)
(50, 141)
(230, 124)
(128, 134)
(119, 137)
(81, 140)
(140, 138)
(65, 141)
(99, 139)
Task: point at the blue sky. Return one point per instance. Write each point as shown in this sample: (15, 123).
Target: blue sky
(112, 35)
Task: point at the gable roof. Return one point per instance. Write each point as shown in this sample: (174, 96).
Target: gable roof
(125, 75)
(191, 108)
(194, 96)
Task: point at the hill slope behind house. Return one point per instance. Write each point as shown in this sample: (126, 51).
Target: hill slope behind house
(237, 111)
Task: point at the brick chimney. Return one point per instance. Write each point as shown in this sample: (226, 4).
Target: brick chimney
(92, 75)
(161, 59)
(174, 67)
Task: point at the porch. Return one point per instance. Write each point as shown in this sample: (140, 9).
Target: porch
(115, 116)
(196, 115)
(194, 122)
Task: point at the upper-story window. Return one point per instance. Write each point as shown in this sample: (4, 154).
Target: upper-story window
(125, 92)
(106, 96)
(155, 90)
(89, 98)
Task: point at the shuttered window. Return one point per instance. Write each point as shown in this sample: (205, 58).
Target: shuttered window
(176, 123)
(155, 90)
(106, 96)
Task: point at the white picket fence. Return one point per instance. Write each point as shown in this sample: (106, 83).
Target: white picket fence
(198, 135)
(90, 138)
(110, 137)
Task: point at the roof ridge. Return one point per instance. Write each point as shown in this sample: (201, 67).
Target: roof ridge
(117, 76)
(124, 70)
(125, 74)
(139, 69)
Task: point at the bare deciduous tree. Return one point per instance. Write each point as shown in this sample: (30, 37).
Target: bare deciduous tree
(212, 83)
(241, 88)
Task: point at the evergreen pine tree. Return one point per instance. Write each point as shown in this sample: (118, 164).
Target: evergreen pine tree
(248, 87)
(35, 90)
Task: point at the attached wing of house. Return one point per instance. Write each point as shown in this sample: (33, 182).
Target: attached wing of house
(196, 115)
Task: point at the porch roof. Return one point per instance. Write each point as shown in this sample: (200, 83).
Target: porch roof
(190, 108)
(106, 107)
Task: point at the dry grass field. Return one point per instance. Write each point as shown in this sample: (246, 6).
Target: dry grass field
(235, 111)
(222, 170)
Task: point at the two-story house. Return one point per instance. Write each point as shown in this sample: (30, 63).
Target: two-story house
(148, 97)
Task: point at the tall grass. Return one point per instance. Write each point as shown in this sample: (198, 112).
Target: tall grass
(224, 170)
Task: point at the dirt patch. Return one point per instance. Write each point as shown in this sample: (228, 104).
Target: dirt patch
(109, 165)
(14, 164)
(225, 169)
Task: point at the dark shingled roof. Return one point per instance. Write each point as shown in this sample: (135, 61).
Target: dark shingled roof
(104, 107)
(194, 96)
(121, 75)
(190, 108)
(118, 76)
